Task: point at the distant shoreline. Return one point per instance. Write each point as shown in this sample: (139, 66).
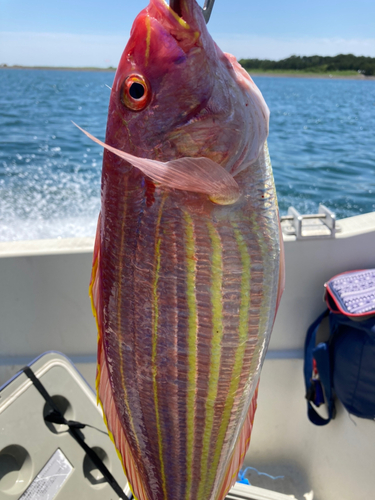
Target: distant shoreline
(325, 76)
(285, 74)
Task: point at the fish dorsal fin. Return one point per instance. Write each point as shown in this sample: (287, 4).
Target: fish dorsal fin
(197, 175)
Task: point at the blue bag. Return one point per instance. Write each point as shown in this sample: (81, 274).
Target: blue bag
(344, 365)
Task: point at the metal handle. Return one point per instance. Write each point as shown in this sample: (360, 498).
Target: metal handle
(320, 225)
(307, 216)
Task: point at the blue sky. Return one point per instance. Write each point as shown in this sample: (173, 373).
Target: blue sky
(94, 33)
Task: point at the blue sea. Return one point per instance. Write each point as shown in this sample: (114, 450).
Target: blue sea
(322, 146)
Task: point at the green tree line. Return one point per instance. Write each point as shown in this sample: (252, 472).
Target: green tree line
(315, 64)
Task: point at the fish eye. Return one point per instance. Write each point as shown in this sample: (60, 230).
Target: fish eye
(136, 92)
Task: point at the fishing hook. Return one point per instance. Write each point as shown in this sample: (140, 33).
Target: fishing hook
(206, 10)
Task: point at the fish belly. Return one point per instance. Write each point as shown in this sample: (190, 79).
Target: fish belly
(185, 294)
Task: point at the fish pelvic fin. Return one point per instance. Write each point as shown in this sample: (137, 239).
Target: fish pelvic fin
(197, 175)
(239, 452)
(103, 385)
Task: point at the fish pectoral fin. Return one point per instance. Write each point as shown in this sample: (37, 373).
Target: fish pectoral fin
(197, 175)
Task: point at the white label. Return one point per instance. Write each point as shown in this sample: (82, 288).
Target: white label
(50, 479)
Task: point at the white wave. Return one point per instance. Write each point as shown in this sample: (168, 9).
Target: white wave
(38, 229)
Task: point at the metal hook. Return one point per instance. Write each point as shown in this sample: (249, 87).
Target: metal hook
(206, 10)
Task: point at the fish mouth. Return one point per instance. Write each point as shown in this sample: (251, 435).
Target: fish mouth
(182, 19)
(175, 5)
(187, 14)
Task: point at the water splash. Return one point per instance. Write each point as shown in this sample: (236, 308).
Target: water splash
(50, 176)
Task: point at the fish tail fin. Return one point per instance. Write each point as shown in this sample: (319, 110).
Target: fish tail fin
(239, 452)
(103, 384)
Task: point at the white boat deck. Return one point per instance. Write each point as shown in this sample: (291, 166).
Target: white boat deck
(44, 305)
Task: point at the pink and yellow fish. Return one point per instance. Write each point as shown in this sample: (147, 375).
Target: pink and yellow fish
(188, 266)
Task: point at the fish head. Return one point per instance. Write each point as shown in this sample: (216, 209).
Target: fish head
(164, 79)
(176, 94)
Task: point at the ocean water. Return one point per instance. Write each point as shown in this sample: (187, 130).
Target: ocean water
(322, 146)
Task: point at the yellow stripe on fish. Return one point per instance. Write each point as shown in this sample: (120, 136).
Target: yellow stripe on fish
(119, 299)
(155, 319)
(119, 319)
(243, 333)
(181, 21)
(192, 343)
(215, 355)
(148, 40)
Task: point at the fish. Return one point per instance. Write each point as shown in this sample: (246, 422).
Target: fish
(188, 264)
